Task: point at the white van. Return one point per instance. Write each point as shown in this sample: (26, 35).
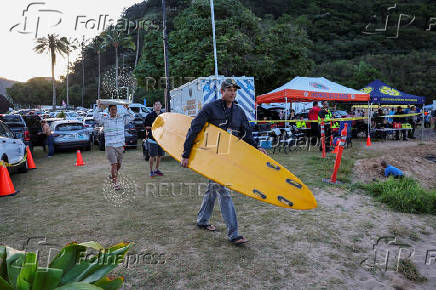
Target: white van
(139, 109)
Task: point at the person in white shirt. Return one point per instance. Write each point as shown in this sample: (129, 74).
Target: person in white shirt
(113, 126)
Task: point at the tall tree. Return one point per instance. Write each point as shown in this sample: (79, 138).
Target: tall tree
(52, 45)
(72, 45)
(98, 45)
(116, 38)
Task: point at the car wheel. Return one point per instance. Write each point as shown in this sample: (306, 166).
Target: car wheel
(100, 146)
(23, 168)
(87, 147)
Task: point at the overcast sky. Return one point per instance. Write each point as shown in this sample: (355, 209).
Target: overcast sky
(69, 18)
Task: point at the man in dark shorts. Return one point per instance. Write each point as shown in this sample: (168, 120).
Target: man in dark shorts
(154, 150)
(227, 115)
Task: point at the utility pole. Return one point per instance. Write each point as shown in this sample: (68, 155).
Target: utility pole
(83, 69)
(212, 11)
(167, 69)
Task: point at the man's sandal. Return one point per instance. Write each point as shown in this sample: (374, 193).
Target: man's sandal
(239, 240)
(210, 228)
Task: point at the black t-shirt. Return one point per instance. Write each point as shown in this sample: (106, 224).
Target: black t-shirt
(322, 113)
(149, 122)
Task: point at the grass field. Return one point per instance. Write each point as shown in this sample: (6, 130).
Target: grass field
(323, 248)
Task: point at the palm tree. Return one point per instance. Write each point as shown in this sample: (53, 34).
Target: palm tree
(98, 45)
(115, 38)
(53, 45)
(72, 45)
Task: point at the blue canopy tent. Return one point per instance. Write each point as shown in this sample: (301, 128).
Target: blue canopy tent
(381, 93)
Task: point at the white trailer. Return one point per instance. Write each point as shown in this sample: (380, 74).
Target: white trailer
(191, 97)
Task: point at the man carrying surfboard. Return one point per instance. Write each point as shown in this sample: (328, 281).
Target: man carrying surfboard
(227, 115)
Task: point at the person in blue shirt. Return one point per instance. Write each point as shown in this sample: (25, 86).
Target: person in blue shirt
(391, 113)
(390, 170)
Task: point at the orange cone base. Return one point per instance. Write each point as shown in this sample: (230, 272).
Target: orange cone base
(10, 194)
(329, 181)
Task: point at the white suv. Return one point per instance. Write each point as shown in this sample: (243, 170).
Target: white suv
(12, 150)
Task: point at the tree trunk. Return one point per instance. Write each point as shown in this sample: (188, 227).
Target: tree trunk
(99, 77)
(53, 80)
(116, 69)
(83, 77)
(137, 46)
(68, 69)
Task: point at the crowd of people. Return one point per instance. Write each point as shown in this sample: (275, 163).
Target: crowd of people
(383, 120)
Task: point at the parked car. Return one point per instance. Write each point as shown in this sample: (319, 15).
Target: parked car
(139, 126)
(71, 115)
(70, 134)
(12, 149)
(89, 124)
(33, 123)
(51, 120)
(340, 114)
(17, 125)
(140, 109)
(130, 136)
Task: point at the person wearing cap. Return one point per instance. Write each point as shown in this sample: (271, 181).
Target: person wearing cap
(227, 115)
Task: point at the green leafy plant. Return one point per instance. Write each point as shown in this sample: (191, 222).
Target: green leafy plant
(70, 269)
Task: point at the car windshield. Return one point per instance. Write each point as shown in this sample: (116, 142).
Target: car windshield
(69, 127)
(72, 114)
(4, 131)
(11, 118)
(90, 122)
(135, 109)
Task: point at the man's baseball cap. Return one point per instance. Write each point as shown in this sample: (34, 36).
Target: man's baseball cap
(229, 83)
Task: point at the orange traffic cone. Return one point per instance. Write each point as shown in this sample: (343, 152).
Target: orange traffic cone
(79, 159)
(6, 185)
(368, 141)
(30, 163)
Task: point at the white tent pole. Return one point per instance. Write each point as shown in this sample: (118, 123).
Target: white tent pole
(286, 110)
(422, 124)
(212, 10)
(369, 117)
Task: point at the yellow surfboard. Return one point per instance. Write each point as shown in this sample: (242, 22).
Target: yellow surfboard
(224, 158)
